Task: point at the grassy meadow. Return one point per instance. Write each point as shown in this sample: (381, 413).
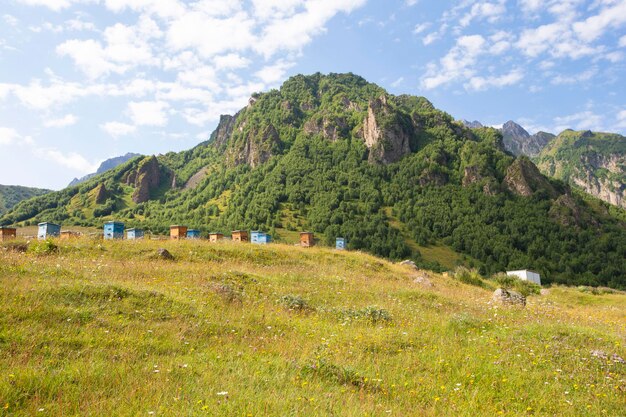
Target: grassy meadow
(98, 328)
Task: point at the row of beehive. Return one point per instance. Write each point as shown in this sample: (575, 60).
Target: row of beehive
(115, 230)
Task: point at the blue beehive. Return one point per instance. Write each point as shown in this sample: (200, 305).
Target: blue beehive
(340, 243)
(260, 238)
(132, 234)
(114, 230)
(193, 234)
(47, 230)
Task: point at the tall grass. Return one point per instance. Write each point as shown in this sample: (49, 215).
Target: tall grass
(102, 328)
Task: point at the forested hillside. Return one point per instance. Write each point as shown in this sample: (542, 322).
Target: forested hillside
(339, 156)
(10, 195)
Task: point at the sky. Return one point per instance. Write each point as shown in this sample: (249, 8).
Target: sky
(85, 80)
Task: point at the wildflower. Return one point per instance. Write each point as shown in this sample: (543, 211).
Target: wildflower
(222, 393)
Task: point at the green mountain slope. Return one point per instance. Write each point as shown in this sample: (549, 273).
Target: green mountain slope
(10, 195)
(341, 157)
(593, 161)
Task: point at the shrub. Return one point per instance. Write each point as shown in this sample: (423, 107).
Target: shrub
(44, 247)
(468, 276)
(294, 302)
(371, 314)
(509, 282)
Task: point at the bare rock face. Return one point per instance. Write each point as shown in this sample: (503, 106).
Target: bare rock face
(523, 178)
(224, 130)
(330, 129)
(471, 175)
(387, 140)
(508, 298)
(611, 189)
(257, 147)
(147, 178)
(519, 142)
(566, 211)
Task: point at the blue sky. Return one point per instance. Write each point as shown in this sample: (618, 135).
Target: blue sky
(84, 80)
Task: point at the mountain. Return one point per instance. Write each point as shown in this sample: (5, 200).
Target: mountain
(105, 166)
(339, 156)
(472, 125)
(519, 142)
(593, 161)
(10, 195)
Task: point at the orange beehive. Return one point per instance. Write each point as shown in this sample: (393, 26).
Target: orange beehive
(307, 239)
(240, 236)
(178, 232)
(68, 234)
(215, 237)
(7, 233)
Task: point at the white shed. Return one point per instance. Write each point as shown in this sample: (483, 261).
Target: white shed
(526, 275)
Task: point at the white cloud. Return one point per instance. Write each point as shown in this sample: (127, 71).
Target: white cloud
(595, 26)
(8, 135)
(421, 28)
(621, 119)
(397, 82)
(231, 61)
(456, 64)
(67, 120)
(148, 113)
(126, 47)
(622, 41)
(484, 10)
(574, 79)
(10, 20)
(430, 38)
(483, 83)
(586, 120)
(117, 129)
(271, 74)
(294, 32)
(71, 160)
(55, 5)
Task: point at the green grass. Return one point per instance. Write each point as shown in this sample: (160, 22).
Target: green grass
(103, 328)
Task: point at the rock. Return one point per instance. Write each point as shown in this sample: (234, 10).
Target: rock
(471, 175)
(523, 178)
(224, 130)
(386, 137)
(100, 194)
(257, 147)
(506, 297)
(409, 263)
(472, 125)
(148, 178)
(519, 142)
(422, 280)
(164, 254)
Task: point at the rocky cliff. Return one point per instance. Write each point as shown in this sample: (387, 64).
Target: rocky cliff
(386, 139)
(519, 142)
(592, 161)
(523, 178)
(145, 179)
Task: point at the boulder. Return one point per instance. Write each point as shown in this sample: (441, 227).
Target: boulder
(164, 254)
(507, 297)
(409, 263)
(422, 280)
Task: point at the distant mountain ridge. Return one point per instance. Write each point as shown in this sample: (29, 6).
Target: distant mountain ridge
(105, 166)
(592, 161)
(11, 195)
